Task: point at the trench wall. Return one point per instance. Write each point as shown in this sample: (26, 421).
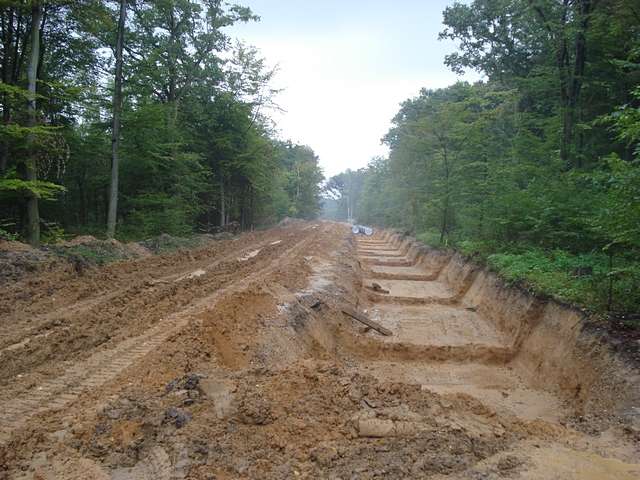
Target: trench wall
(553, 349)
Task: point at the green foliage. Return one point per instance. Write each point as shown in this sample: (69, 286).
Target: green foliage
(155, 213)
(5, 231)
(53, 233)
(196, 151)
(95, 253)
(430, 237)
(535, 169)
(579, 279)
(302, 180)
(13, 187)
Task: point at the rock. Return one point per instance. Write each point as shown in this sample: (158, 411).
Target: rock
(191, 381)
(176, 416)
(376, 287)
(376, 427)
(188, 382)
(509, 462)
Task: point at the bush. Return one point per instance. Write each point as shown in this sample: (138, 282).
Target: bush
(155, 214)
(6, 234)
(94, 253)
(430, 237)
(581, 279)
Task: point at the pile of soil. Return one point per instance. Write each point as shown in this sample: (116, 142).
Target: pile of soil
(17, 259)
(86, 251)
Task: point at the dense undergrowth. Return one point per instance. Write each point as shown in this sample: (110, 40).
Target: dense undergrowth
(593, 280)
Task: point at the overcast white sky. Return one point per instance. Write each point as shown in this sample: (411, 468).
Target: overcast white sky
(345, 66)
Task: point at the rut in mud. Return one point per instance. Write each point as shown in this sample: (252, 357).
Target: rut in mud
(236, 361)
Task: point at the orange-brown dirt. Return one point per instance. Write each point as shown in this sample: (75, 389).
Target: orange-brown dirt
(235, 361)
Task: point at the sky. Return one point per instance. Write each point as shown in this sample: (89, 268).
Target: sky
(345, 67)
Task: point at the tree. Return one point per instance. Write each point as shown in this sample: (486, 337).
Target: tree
(183, 145)
(345, 188)
(29, 166)
(510, 40)
(115, 129)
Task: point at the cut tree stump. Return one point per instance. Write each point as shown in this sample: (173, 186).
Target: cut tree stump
(364, 319)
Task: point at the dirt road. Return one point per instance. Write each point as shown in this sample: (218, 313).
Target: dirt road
(235, 360)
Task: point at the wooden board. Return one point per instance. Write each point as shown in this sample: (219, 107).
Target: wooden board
(362, 318)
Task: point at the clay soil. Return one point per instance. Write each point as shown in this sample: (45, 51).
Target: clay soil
(235, 361)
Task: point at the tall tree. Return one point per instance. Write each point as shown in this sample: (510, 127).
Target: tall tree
(518, 42)
(115, 128)
(30, 165)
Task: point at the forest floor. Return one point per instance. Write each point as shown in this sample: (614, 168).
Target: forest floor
(234, 360)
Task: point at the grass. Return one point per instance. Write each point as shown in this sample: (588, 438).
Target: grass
(581, 279)
(553, 273)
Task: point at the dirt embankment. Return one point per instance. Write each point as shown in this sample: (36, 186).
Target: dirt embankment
(554, 345)
(235, 361)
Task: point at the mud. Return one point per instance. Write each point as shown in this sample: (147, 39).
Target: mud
(235, 361)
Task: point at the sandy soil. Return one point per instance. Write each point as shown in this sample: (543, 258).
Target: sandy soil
(234, 361)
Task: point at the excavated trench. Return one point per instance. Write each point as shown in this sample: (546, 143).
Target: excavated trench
(463, 330)
(458, 331)
(266, 377)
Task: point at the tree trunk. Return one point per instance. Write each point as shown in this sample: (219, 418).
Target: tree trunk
(577, 78)
(7, 35)
(172, 98)
(43, 22)
(32, 232)
(445, 214)
(570, 70)
(115, 130)
(222, 209)
(610, 290)
(572, 78)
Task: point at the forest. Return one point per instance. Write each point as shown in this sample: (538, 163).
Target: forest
(535, 170)
(132, 118)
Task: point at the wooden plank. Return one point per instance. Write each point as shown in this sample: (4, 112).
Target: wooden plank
(364, 319)
(376, 287)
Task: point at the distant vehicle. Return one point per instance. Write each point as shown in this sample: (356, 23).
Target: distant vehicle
(362, 230)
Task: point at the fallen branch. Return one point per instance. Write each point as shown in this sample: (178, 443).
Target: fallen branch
(364, 319)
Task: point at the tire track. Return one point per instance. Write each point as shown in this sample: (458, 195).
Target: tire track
(84, 306)
(104, 366)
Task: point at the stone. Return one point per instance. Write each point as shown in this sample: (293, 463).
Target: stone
(178, 417)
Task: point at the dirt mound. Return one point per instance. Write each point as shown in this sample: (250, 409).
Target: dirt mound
(18, 261)
(127, 250)
(13, 246)
(79, 240)
(137, 250)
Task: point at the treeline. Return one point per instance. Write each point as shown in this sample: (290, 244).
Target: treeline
(145, 109)
(537, 169)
